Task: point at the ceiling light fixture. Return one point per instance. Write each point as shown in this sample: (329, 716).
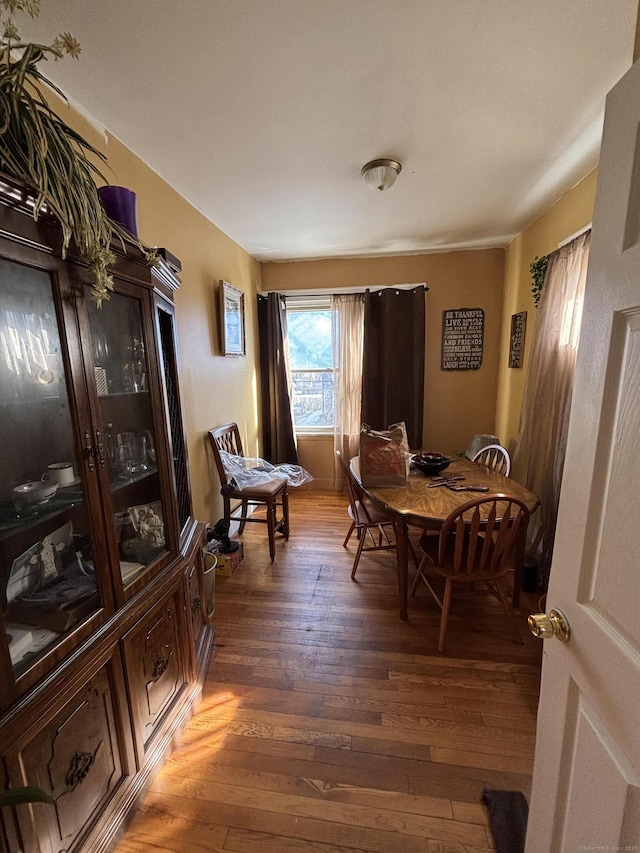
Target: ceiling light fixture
(381, 174)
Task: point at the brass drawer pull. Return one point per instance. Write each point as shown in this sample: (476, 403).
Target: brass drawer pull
(100, 448)
(81, 764)
(160, 667)
(89, 450)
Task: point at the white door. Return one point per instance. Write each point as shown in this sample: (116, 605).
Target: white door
(586, 784)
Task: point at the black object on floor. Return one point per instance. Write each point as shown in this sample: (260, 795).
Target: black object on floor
(221, 534)
(508, 813)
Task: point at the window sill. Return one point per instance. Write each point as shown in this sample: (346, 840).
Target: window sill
(315, 434)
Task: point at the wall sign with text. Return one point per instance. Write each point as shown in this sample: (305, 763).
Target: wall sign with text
(462, 338)
(518, 328)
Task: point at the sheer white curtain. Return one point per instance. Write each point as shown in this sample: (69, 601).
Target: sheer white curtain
(540, 448)
(347, 316)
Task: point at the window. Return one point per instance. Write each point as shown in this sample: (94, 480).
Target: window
(311, 357)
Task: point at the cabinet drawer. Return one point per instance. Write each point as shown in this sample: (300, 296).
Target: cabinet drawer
(154, 662)
(77, 759)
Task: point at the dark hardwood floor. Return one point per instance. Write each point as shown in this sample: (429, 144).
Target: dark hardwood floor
(328, 724)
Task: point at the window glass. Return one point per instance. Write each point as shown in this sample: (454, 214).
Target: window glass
(311, 355)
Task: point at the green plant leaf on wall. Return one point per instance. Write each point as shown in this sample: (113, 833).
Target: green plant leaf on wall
(538, 270)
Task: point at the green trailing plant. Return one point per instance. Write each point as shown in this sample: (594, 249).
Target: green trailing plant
(17, 796)
(538, 271)
(39, 149)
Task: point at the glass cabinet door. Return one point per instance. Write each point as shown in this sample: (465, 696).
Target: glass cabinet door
(166, 326)
(127, 423)
(47, 575)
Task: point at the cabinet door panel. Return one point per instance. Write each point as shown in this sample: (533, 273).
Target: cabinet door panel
(168, 351)
(122, 372)
(76, 759)
(50, 542)
(194, 599)
(155, 667)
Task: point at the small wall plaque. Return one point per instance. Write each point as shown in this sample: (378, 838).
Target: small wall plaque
(518, 329)
(462, 338)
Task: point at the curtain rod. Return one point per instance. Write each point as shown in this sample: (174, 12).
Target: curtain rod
(575, 235)
(341, 290)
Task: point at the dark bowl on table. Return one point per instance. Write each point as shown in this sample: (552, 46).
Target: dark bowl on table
(430, 463)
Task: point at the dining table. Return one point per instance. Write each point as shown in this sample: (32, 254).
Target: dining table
(422, 503)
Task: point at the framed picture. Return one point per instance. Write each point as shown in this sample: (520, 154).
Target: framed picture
(232, 319)
(462, 338)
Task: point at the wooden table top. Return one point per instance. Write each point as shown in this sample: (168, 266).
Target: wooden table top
(429, 507)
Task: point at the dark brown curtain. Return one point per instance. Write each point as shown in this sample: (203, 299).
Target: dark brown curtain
(393, 363)
(278, 435)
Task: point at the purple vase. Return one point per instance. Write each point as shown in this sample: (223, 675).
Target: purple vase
(120, 205)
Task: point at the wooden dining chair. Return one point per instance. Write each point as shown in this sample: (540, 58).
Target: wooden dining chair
(272, 495)
(367, 520)
(480, 541)
(495, 457)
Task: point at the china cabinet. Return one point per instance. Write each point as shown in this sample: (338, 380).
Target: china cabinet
(103, 641)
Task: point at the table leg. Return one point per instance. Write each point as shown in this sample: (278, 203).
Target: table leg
(402, 547)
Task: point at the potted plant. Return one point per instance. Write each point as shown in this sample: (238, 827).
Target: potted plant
(39, 149)
(538, 270)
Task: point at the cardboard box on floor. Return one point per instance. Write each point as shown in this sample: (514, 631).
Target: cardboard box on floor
(227, 563)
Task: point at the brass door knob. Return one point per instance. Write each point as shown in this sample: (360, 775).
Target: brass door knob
(553, 625)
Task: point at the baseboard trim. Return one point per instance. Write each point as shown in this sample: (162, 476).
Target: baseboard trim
(318, 485)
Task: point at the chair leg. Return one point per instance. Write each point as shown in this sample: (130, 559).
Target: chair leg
(271, 527)
(500, 594)
(243, 514)
(285, 514)
(414, 556)
(351, 529)
(416, 580)
(227, 508)
(357, 559)
(446, 605)
(372, 537)
(383, 532)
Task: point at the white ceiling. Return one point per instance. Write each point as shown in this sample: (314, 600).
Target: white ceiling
(262, 112)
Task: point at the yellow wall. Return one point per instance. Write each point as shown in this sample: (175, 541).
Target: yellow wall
(457, 404)
(214, 389)
(568, 215)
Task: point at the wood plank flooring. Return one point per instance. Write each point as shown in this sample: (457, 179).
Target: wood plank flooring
(329, 725)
